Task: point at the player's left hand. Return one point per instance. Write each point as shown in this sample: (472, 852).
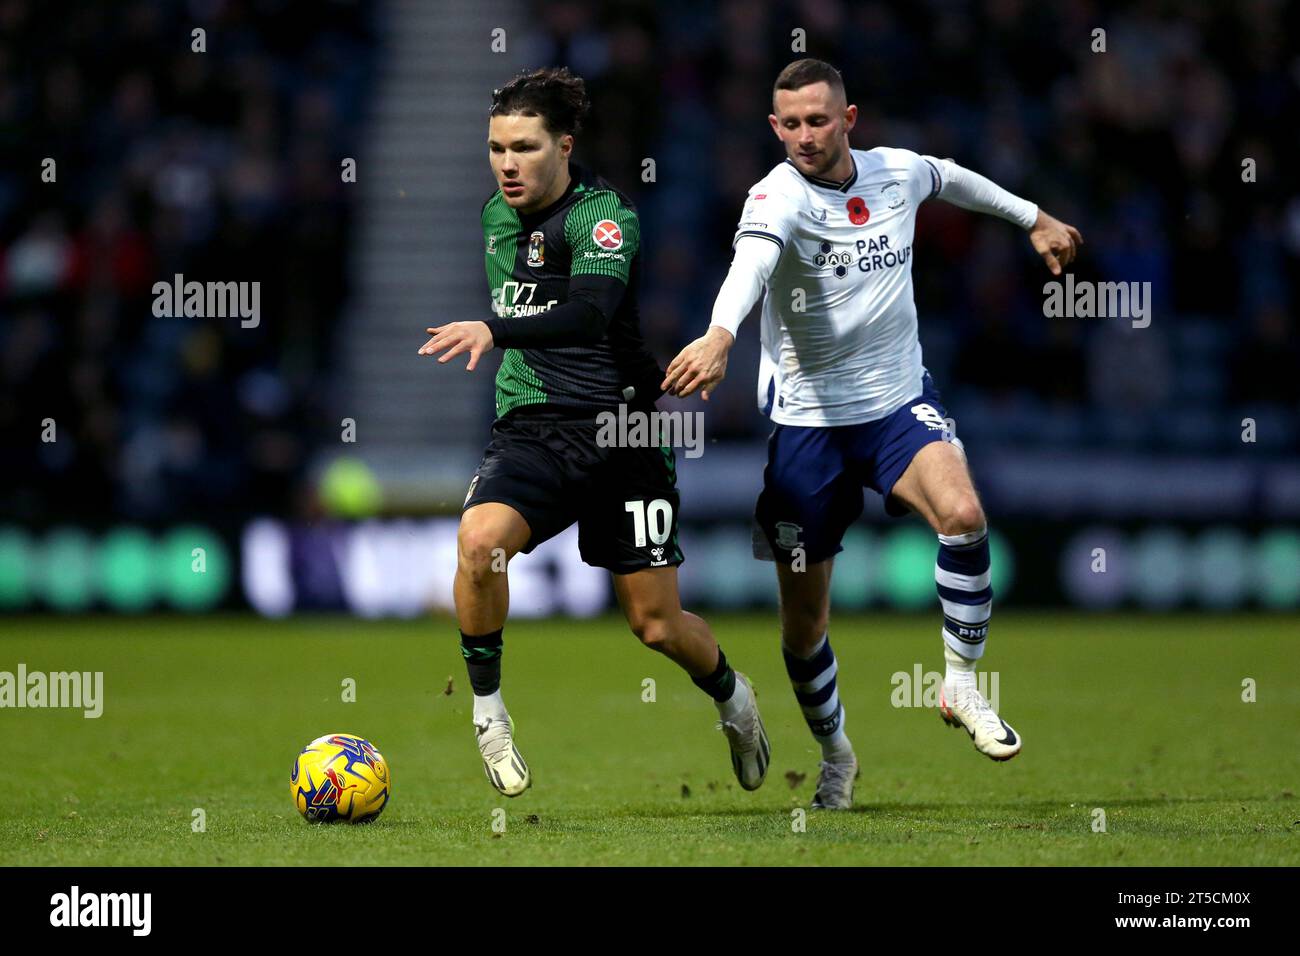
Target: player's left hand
(456, 337)
(1057, 242)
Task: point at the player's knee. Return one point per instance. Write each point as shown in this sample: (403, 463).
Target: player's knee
(962, 517)
(479, 553)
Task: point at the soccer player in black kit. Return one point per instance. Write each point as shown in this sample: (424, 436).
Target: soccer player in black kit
(562, 250)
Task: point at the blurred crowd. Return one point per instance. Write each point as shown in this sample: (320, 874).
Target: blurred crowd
(1141, 146)
(224, 165)
(213, 156)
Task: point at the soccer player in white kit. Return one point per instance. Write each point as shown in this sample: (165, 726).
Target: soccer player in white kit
(828, 235)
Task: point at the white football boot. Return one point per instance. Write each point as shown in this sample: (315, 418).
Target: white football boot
(750, 751)
(835, 784)
(967, 708)
(502, 762)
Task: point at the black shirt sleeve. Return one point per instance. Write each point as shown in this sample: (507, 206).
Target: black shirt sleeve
(582, 320)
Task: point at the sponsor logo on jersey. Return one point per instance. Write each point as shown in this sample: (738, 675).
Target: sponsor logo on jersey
(536, 249)
(893, 194)
(760, 196)
(607, 235)
(492, 245)
(875, 253)
(838, 261)
(872, 254)
(515, 299)
(858, 211)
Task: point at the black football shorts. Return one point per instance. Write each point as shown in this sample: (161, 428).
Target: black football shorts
(554, 472)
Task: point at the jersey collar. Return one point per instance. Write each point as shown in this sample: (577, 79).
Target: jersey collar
(826, 183)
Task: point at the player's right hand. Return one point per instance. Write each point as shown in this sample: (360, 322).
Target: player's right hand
(457, 337)
(701, 365)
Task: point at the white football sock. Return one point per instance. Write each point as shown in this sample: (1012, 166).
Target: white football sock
(490, 706)
(730, 708)
(837, 748)
(959, 670)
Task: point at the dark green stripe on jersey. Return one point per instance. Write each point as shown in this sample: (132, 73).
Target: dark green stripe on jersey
(516, 382)
(592, 229)
(604, 235)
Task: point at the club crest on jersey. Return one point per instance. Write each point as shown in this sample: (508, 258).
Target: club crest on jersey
(893, 194)
(858, 211)
(607, 235)
(536, 249)
(788, 534)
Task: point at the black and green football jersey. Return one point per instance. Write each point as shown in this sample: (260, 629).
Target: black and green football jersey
(592, 230)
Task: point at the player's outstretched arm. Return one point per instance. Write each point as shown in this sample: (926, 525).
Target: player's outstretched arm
(1057, 242)
(583, 320)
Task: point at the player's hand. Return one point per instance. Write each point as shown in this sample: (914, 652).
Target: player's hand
(1057, 242)
(456, 337)
(701, 365)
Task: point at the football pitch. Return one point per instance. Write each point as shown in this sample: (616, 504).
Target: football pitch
(1134, 723)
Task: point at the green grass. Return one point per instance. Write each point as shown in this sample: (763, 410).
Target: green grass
(1141, 717)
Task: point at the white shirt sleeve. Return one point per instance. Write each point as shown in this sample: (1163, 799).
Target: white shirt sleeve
(769, 215)
(755, 260)
(969, 190)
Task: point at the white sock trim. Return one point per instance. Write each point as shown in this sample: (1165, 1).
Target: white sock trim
(958, 540)
(811, 654)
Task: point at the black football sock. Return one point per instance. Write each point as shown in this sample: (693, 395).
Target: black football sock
(483, 658)
(721, 684)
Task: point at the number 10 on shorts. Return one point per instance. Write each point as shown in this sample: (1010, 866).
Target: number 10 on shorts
(655, 517)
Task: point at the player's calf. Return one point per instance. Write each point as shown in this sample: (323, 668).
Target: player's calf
(812, 669)
(963, 579)
(652, 605)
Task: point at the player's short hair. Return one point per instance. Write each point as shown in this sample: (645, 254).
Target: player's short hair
(553, 93)
(805, 72)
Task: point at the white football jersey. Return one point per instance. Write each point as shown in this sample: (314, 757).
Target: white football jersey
(839, 331)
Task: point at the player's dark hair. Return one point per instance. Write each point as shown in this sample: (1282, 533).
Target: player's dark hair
(553, 93)
(805, 72)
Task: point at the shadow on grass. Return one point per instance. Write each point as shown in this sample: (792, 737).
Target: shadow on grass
(956, 805)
